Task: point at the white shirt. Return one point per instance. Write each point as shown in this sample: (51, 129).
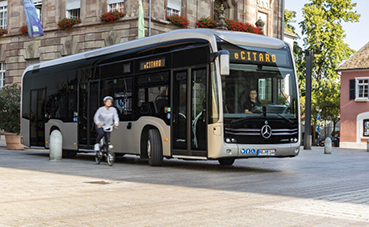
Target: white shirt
(106, 116)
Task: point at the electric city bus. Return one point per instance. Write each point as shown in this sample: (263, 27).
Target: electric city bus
(181, 95)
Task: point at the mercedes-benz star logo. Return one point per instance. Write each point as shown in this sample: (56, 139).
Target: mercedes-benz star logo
(266, 131)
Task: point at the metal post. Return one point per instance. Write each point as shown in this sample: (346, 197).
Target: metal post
(150, 18)
(307, 137)
(282, 20)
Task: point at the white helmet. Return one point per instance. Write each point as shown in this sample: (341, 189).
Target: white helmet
(107, 98)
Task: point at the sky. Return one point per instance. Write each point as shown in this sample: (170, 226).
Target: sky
(357, 34)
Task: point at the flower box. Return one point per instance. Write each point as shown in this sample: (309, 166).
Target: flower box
(3, 31)
(67, 23)
(111, 16)
(24, 30)
(206, 22)
(234, 25)
(180, 21)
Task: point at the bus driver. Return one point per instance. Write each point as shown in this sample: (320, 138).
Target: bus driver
(252, 103)
(104, 117)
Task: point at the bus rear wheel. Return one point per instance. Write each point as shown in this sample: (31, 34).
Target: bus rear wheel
(154, 148)
(226, 161)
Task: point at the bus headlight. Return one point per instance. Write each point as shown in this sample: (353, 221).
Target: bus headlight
(234, 140)
(228, 140)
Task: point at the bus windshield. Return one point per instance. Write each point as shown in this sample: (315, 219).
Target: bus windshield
(261, 84)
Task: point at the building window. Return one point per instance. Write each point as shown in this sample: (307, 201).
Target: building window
(171, 11)
(174, 7)
(116, 5)
(2, 75)
(73, 8)
(3, 14)
(38, 6)
(366, 127)
(362, 88)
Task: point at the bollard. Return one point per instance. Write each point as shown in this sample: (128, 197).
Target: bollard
(367, 145)
(327, 146)
(56, 142)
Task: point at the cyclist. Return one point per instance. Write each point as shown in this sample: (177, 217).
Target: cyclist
(104, 117)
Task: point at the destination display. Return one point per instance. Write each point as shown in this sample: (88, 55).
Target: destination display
(260, 56)
(151, 64)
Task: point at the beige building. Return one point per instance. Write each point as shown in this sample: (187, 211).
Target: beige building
(17, 51)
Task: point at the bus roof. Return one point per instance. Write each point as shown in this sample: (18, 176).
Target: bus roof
(238, 38)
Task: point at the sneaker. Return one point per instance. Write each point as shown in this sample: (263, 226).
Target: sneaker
(97, 147)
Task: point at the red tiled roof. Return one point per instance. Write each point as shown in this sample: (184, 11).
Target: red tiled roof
(359, 60)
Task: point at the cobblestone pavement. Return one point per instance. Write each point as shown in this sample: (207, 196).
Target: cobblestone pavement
(312, 189)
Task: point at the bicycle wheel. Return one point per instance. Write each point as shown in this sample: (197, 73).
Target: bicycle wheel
(98, 157)
(110, 157)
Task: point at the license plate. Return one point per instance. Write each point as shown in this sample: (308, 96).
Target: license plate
(266, 152)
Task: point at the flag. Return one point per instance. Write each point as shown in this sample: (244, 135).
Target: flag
(33, 22)
(141, 21)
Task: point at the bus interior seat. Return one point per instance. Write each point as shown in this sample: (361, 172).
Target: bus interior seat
(160, 104)
(147, 108)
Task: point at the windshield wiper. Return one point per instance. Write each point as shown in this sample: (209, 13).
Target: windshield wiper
(282, 116)
(234, 121)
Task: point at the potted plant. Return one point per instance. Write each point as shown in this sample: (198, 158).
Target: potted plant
(3, 31)
(180, 21)
(67, 23)
(111, 16)
(10, 115)
(24, 30)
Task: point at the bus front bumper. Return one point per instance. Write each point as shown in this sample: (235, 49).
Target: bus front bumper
(259, 150)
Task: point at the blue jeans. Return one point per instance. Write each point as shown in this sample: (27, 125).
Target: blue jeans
(101, 133)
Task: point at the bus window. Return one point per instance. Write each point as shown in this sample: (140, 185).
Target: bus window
(121, 90)
(154, 101)
(62, 97)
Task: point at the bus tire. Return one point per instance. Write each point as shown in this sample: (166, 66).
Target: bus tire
(226, 161)
(154, 148)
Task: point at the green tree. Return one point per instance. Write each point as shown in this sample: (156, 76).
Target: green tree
(324, 35)
(289, 18)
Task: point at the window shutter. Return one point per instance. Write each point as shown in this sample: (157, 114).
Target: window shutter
(352, 89)
(73, 4)
(175, 4)
(115, 1)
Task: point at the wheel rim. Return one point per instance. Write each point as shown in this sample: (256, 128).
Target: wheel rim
(149, 147)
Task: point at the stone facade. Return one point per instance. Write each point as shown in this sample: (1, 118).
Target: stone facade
(17, 51)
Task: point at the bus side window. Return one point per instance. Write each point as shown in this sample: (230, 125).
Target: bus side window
(121, 91)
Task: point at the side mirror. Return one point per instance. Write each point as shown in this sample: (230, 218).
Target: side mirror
(224, 63)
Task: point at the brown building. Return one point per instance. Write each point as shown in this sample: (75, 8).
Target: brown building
(17, 51)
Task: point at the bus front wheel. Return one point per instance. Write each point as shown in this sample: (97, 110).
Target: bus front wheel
(154, 148)
(226, 161)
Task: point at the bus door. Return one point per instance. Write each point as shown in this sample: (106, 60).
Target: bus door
(37, 123)
(89, 102)
(189, 121)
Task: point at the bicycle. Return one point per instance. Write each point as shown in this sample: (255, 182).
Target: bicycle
(106, 150)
